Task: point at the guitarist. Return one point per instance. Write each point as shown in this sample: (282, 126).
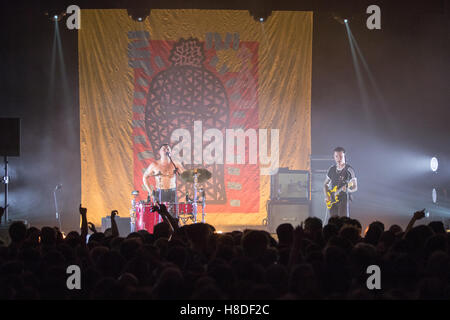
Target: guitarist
(343, 176)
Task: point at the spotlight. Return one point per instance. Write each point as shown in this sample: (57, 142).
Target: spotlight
(261, 12)
(138, 14)
(339, 17)
(55, 15)
(434, 164)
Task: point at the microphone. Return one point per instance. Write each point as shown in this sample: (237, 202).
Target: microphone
(168, 153)
(58, 186)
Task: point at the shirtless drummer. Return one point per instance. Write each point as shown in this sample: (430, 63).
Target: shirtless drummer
(164, 173)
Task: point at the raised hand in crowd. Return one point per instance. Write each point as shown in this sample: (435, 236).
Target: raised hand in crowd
(84, 223)
(82, 210)
(416, 216)
(419, 214)
(114, 228)
(164, 213)
(92, 227)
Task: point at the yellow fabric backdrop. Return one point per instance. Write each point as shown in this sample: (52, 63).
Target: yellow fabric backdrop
(107, 88)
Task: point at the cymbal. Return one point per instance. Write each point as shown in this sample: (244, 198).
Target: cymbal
(202, 175)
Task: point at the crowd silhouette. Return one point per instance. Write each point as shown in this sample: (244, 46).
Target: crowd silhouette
(310, 261)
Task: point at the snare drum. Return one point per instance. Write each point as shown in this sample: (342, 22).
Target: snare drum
(185, 208)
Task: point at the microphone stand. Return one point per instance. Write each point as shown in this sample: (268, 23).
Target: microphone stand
(202, 192)
(176, 191)
(6, 182)
(195, 196)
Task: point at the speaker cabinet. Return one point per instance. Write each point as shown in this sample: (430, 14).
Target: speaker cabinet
(280, 212)
(123, 224)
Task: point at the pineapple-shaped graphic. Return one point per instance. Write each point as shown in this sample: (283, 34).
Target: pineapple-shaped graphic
(181, 94)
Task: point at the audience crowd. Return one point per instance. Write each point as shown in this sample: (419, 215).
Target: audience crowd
(311, 261)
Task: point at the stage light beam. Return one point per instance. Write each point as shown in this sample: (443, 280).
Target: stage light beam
(359, 77)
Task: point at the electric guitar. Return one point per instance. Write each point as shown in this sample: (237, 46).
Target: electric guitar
(334, 193)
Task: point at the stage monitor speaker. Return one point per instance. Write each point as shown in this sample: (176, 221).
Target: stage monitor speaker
(318, 206)
(10, 137)
(123, 224)
(280, 212)
(290, 185)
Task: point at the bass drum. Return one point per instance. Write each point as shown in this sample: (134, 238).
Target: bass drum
(146, 218)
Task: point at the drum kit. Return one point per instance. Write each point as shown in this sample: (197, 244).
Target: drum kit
(144, 217)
